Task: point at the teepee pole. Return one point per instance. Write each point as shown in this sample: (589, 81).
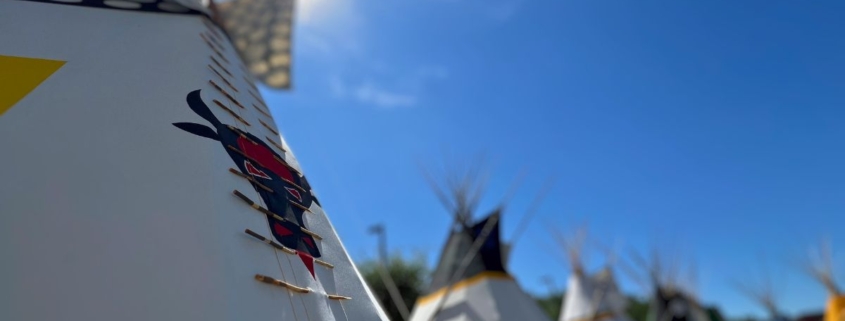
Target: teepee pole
(523, 223)
(822, 269)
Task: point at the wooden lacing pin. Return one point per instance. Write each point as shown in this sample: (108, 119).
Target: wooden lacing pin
(338, 297)
(289, 167)
(232, 148)
(324, 263)
(270, 242)
(213, 48)
(275, 144)
(258, 207)
(251, 179)
(250, 83)
(243, 69)
(283, 248)
(231, 112)
(268, 127)
(211, 43)
(262, 111)
(244, 155)
(219, 54)
(292, 183)
(241, 133)
(274, 215)
(260, 101)
(228, 96)
(300, 206)
(269, 280)
(222, 78)
(217, 63)
(307, 231)
(211, 27)
(297, 187)
(216, 42)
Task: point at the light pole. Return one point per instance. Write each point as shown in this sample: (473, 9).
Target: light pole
(398, 301)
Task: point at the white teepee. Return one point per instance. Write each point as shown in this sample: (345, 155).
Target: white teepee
(471, 281)
(589, 297)
(144, 178)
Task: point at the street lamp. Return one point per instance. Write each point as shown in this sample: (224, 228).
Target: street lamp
(398, 301)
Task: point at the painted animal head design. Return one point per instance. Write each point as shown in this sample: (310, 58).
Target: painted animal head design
(284, 191)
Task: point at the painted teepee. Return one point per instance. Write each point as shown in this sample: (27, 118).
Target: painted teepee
(143, 176)
(589, 297)
(471, 281)
(822, 271)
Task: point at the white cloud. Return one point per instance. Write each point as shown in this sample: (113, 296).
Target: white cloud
(333, 33)
(332, 28)
(369, 93)
(404, 90)
(324, 12)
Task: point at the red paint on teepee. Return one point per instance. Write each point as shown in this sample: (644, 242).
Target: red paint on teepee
(308, 261)
(281, 230)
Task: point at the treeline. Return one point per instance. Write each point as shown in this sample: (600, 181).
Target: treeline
(637, 308)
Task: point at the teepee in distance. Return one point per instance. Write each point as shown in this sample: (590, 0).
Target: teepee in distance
(671, 300)
(589, 297)
(764, 295)
(822, 270)
(471, 281)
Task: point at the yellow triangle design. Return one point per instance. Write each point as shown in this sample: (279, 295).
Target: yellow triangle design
(19, 76)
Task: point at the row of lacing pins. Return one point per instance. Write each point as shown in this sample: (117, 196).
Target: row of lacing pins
(214, 39)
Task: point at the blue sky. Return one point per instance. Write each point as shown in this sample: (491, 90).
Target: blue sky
(712, 127)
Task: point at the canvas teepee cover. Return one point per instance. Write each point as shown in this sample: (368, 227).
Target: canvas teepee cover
(589, 297)
(835, 310)
(485, 291)
(144, 178)
(593, 297)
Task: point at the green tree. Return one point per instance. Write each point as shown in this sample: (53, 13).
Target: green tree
(551, 304)
(714, 313)
(637, 309)
(410, 276)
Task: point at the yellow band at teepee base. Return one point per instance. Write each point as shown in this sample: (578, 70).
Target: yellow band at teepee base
(835, 309)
